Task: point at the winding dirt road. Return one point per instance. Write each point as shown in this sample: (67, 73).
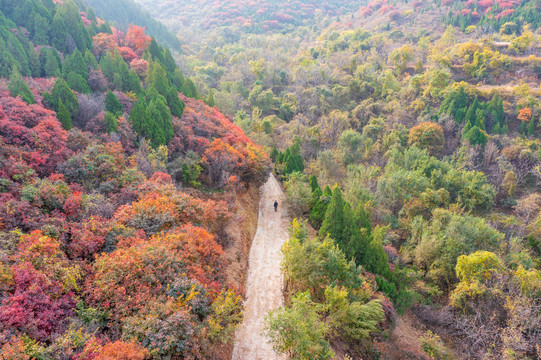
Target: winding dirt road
(264, 282)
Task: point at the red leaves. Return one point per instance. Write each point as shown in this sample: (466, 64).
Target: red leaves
(88, 237)
(37, 307)
(95, 349)
(137, 39)
(525, 114)
(37, 131)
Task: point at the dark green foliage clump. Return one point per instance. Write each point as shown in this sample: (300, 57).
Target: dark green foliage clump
(64, 116)
(61, 91)
(112, 104)
(18, 87)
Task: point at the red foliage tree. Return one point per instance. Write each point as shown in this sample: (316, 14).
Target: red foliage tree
(38, 306)
(137, 39)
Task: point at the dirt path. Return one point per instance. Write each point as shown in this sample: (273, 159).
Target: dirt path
(264, 282)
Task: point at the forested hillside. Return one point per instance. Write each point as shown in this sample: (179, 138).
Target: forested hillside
(407, 135)
(124, 13)
(116, 187)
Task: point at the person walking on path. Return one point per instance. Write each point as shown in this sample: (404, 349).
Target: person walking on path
(275, 206)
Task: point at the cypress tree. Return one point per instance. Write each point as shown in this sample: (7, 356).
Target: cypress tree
(531, 127)
(111, 124)
(18, 87)
(64, 116)
(61, 91)
(155, 50)
(51, 66)
(90, 60)
(188, 89)
(177, 79)
(175, 104)
(134, 83)
(350, 243)
(472, 112)
(375, 259)
(168, 62)
(312, 181)
(59, 33)
(112, 104)
(138, 118)
(362, 219)
(157, 78)
(75, 63)
(78, 83)
(41, 30)
(274, 153)
(333, 221)
(210, 99)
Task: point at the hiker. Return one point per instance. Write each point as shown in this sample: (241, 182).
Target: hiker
(275, 206)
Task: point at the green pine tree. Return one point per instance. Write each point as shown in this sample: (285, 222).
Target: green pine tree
(78, 83)
(531, 127)
(138, 118)
(51, 66)
(157, 78)
(75, 63)
(351, 243)
(175, 104)
(61, 91)
(375, 259)
(111, 125)
(210, 99)
(113, 105)
(90, 60)
(18, 87)
(64, 116)
(333, 221)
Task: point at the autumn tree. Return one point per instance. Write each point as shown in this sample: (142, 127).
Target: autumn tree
(427, 136)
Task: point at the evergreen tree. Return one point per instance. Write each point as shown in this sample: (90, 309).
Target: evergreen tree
(78, 83)
(112, 104)
(41, 30)
(75, 63)
(169, 62)
(375, 259)
(6, 61)
(59, 33)
(177, 79)
(51, 66)
(156, 51)
(90, 60)
(61, 91)
(274, 153)
(134, 83)
(188, 89)
(333, 222)
(138, 118)
(175, 104)
(157, 78)
(476, 136)
(293, 159)
(312, 181)
(110, 122)
(64, 116)
(350, 243)
(472, 113)
(18, 87)
(531, 127)
(210, 99)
